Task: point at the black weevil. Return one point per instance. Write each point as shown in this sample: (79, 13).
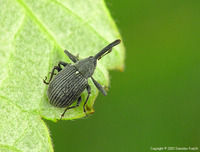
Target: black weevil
(66, 87)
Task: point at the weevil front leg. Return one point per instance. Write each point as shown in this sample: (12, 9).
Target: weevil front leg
(77, 104)
(71, 56)
(89, 92)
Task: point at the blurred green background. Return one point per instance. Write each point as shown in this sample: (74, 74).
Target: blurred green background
(155, 102)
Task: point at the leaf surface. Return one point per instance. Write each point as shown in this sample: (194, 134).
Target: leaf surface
(33, 36)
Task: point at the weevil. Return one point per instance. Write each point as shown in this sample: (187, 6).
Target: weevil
(67, 85)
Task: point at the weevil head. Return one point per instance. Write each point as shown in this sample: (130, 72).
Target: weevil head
(86, 66)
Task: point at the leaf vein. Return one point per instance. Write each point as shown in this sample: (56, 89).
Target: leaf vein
(40, 24)
(81, 20)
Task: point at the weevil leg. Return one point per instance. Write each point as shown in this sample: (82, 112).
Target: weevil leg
(89, 92)
(52, 73)
(99, 87)
(71, 56)
(59, 64)
(77, 104)
(62, 63)
(58, 68)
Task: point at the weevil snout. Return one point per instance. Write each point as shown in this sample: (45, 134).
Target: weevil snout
(106, 50)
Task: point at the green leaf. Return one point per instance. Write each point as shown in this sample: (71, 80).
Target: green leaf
(33, 35)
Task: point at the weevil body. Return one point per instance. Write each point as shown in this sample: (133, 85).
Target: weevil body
(66, 86)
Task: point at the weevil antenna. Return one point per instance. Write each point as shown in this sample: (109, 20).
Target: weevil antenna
(107, 49)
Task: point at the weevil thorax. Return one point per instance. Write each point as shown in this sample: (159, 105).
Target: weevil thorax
(86, 66)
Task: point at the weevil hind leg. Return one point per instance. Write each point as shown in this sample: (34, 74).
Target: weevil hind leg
(89, 92)
(71, 56)
(77, 104)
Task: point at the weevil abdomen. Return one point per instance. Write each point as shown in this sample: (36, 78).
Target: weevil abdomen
(66, 87)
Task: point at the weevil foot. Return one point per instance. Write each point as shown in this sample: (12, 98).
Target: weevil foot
(44, 80)
(85, 111)
(63, 114)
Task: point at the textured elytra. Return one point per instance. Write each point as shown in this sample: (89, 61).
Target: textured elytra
(66, 87)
